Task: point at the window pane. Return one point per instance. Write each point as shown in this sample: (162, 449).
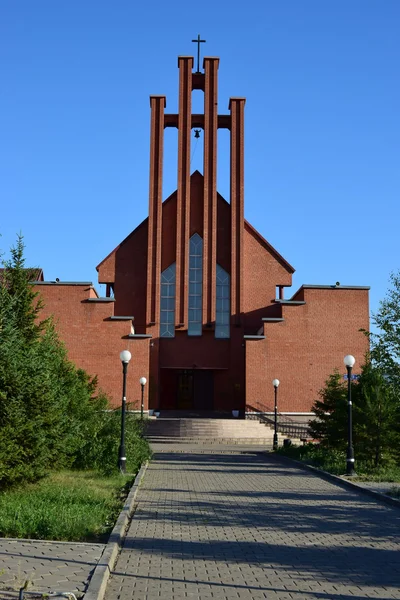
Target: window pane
(167, 308)
(195, 289)
(167, 303)
(222, 321)
(195, 285)
(168, 275)
(170, 316)
(194, 302)
(222, 331)
(165, 332)
(169, 291)
(194, 329)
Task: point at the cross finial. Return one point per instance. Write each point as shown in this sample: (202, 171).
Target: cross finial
(198, 42)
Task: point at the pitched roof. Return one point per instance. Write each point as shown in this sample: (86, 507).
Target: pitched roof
(196, 175)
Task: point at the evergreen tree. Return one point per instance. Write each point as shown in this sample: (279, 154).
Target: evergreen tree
(385, 345)
(376, 416)
(330, 425)
(48, 407)
(19, 303)
(377, 425)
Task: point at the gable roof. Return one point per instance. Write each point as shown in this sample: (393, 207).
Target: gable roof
(196, 175)
(269, 247)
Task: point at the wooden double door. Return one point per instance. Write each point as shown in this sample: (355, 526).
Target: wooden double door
(187, 389)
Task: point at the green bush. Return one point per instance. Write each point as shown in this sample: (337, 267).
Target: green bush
(334, 461)
(51, 415)
(376, 417)
(317, 455)
(100, 450)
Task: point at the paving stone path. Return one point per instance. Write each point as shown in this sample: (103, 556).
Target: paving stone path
(247, 526)
(48, 566)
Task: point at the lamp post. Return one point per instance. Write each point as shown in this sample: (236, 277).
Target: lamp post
(125, 356)
(275, 383)
(349, 361)
(142, 382)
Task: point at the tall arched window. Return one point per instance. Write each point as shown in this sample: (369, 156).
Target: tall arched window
(223, 313)
(167, 312)
(195, 285)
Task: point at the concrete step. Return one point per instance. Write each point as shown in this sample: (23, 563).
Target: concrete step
(212, 441)
(208, 429)
(204, 425)
(211, 431)
(212, 435)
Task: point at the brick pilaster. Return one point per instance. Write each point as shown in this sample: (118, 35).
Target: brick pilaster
(210, 188)
(185, 64)
(236, 106)
(157, 104)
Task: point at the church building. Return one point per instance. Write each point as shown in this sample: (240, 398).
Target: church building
(197, 295)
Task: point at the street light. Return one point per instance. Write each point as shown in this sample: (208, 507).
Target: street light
(349, 361)
(125, 356)
(275, 383)
(142, 382)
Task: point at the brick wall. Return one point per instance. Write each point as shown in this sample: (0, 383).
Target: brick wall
(94, 341)
(262, 273)
(304, 349)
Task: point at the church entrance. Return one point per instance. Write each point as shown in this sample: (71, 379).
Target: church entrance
(187, 389)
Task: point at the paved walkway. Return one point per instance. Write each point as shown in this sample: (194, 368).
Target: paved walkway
(247, 526)
(48, 566)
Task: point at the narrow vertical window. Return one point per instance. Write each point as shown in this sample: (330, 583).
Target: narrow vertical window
(167, 313)
(195, 285)
(222, 321)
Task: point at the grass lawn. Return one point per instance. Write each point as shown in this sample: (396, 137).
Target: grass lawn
(334, 461)
(79, 506)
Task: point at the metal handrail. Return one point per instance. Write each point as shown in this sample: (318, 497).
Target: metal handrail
(285, 424)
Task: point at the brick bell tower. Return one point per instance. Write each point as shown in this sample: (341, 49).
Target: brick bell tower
(210, 121)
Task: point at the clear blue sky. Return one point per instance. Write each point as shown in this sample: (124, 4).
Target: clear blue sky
(321, 78)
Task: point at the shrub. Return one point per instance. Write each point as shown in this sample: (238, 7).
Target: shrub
(100, 450)
(51, 415)
(376, 417)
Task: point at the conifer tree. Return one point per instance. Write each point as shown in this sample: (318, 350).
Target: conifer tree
(385, 344)
(376, 416)
(377, 425)
(330, 424)
(47, 405)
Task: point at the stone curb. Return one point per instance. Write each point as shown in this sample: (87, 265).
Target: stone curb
(339, 480)
(98, 582)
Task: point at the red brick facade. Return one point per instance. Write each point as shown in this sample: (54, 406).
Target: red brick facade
(299, 341)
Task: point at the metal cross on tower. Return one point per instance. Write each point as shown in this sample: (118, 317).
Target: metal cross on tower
(198, 42)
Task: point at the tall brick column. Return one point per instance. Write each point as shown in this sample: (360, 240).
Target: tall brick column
(210, 188)
(185, 64)
(157, 104)
(236, 106)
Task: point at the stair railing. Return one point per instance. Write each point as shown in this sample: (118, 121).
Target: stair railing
(285, 425)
